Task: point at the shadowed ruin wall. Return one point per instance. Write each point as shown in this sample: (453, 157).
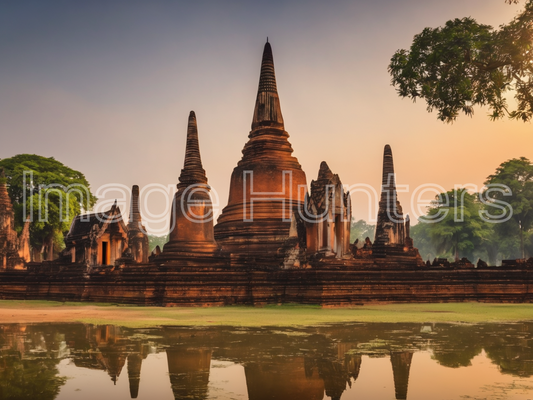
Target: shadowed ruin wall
(152, 285)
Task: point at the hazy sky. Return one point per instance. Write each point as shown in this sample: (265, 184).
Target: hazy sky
(106, 88)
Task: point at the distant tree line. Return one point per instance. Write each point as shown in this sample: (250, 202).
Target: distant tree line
(154, 241)
(361, 230)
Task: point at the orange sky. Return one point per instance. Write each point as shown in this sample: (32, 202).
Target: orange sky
(107, 91)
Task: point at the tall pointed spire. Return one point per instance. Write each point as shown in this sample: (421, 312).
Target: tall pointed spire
(389, 179)
(390, 228)
(191, 216)
(135, 212)
(267, 111)
(137, 237)
(389, 199)
(5, 202)
(192, 172)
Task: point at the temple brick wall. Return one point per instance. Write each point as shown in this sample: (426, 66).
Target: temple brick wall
(149, 285)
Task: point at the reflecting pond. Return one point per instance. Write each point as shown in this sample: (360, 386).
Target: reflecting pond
(341, 361)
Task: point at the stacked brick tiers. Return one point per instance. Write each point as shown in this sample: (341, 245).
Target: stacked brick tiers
(191, 222)
(328, 284)
(268, 182)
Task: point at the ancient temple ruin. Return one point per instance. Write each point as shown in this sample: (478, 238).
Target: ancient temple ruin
(277, 240)
(104, 239)
(267, 183)
(191, 220)
(98, 238)
(328, 216)
(14, 249)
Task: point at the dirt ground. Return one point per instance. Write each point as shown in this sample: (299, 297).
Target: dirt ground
(68, 314)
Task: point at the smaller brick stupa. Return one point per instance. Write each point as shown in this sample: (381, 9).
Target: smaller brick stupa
(191, 221)
(392, 228)
(137, 237)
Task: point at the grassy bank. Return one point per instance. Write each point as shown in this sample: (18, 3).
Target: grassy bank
(285, 315)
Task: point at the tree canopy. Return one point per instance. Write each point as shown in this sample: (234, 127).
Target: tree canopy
(460, 230)
(464, 64)
(517, 176)
(48, 192)
(497, 224)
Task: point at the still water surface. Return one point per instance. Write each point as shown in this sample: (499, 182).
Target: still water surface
(342, 361)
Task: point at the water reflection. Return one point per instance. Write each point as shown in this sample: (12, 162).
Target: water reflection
(54, 361)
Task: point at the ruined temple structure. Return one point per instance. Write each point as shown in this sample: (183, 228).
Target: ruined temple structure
(328, 216)
(14, 250)
(104, 239)
(97, 239)
(267, 184)
(191, 221)
(277, 240)
(392, 228)
(137, 237)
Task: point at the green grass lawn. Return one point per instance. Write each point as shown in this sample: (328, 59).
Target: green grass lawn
(285, 315)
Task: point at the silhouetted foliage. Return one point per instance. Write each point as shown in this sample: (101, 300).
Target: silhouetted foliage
(465, 64)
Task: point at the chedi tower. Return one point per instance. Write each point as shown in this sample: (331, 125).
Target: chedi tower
(137, 237)
(390, 227)
(268, 183)
(191, 221)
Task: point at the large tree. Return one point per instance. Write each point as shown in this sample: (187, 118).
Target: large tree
(48, 192)
(454, 224)
(465, 64)
(516, 176)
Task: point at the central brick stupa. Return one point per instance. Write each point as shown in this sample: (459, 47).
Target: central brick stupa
(268, 183)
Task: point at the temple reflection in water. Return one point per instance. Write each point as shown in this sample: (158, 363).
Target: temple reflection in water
(321, 362)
